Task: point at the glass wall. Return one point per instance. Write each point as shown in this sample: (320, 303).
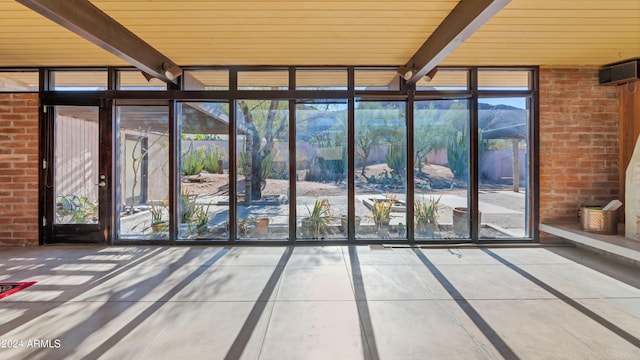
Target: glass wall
(503, 166)
(19, 81)
(206, 79)
(321, 169)
(381, 169)
(441, 174)
(143, 172)
(262, 156)
(81, 80)
(134, 80)
(321, 79)
(336, 187)
(203, 208)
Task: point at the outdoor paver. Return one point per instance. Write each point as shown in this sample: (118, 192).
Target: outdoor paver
(485, 207)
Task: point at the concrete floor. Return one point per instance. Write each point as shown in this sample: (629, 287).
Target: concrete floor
(318, 303)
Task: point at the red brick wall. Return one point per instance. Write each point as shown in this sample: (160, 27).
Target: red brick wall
(19, 169)
(578, 142)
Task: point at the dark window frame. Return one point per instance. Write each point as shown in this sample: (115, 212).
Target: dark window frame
(408, 94)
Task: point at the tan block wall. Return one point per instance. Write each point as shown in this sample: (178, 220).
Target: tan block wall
(19, 169)
(578, 142)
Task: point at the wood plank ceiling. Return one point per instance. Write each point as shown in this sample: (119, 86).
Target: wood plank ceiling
(357, 32)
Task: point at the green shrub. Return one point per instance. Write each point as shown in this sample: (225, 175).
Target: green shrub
(192, 163)
(187, 206)
(397, 158)
(267, 166)
(242, 169)
(458, 154)
(212, 157)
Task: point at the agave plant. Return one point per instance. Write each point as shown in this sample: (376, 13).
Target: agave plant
(381, 210)
(426, 212)
(156, 213)
(317, 222)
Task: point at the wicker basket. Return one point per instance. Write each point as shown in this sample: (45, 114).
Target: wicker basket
(596, 220)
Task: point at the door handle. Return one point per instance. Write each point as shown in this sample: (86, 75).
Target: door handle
(102, 182)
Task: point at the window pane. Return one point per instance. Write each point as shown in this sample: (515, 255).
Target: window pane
(263, 80)
(446, 80)
(79, 80)
(321, 169)
(321, 79)
(134, 80)
(204, 171)
(263, 169)
(76, 165)
(387, 79)
(503, 79)
(441, 149)
(381, 168)
(503, 167)
(19, 81)
(206, 80)
(143, 172)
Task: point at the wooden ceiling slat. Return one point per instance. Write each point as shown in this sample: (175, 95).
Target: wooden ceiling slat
(321, 32)
(418, 5)
(289, 15)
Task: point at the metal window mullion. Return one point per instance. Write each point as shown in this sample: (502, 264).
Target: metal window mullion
(474, 226)
(351, 188)
(410, 198)
(174, 166)
(292, 159)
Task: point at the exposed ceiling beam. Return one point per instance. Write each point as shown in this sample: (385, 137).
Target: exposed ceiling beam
(91, 23)
(465, 19)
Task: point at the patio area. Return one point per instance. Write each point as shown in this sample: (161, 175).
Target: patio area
(502, 211)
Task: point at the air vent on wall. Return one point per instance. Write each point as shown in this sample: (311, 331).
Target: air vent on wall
(620, 73)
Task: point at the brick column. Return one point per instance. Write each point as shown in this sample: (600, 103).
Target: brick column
(578, 142)
(19, 169)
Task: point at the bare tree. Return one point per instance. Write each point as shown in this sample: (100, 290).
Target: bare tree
(367, 139)
(136, 160)
(270, 128)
